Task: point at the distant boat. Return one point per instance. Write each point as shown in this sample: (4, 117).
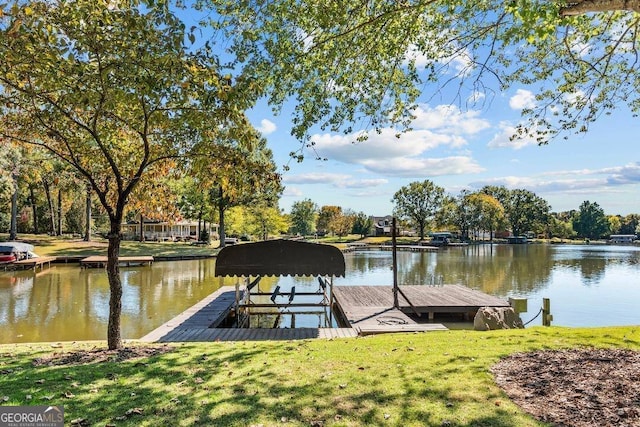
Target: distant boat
(517, 240)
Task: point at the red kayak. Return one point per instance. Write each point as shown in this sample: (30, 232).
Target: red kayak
(7, 258)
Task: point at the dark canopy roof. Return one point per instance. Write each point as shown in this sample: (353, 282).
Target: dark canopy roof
(280, 258)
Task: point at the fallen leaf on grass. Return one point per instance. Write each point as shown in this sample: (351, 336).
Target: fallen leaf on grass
(68, 395)
(134, 411)
(40, 381)
(79, 422)
(5, 398)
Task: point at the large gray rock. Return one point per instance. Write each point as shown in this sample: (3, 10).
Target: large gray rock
(492, 318)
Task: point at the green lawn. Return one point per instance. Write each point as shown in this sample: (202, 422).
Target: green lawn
(58, 246)
(433, 379)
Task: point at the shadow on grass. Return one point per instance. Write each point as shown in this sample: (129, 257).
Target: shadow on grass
(242, 384)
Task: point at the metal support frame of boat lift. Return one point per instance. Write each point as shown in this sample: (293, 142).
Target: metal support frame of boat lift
(281, 258)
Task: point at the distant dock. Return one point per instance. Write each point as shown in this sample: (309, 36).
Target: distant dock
(126, 261)
(34, 263)
(370, 309)
(353, 247)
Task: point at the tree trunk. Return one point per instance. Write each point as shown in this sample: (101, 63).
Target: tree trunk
(13, 228)
(221, 215)
(87, 229)
(59, 233)
(114, 339)
(34, 208)
(52, 215)
(141, 235)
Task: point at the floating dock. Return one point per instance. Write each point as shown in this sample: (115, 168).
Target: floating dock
(200, 323)
(34, 263)
(126, 261)
(370, 309)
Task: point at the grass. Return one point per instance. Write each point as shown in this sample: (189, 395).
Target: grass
(432, 379)
(58, 246)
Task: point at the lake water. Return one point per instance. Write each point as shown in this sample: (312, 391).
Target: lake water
(587, 285)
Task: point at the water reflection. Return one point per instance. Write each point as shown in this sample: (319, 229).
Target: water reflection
(69, 303)
(588, 286)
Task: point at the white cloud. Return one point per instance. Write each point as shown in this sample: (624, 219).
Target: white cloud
(333, 179)
(522, 99)
(504, 139)
(584, 181)
(292, 192)
(424, 167)
(389, 153)
(267, 127)
(315, 178)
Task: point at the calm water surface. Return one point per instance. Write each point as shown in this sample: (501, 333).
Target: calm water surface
(588, 286)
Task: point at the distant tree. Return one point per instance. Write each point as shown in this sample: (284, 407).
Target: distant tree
(630, 224)
(615, 223)
(526, 211)
(487, 212)
(590, 221)
(265, 220)
(362, 224)
(419, 202)
(327, 218)
(343, 224)
(303, 217)
(562, 228)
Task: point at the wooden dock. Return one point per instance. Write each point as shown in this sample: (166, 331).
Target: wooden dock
(34, 263)
(370, 309)
(199, 323)
(125, 261)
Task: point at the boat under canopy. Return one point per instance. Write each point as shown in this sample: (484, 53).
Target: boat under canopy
(15, 247)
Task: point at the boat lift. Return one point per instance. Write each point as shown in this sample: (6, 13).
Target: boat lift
(281, 258)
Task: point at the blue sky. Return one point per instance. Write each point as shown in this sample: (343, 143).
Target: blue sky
(463, 149)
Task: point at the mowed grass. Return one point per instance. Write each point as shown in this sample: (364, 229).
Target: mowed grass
(57, 246)
(428, 379)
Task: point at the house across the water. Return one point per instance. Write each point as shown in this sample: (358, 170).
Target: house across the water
(622, 238)
(166, 231)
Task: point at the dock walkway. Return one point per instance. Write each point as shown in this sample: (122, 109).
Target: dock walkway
(370, 309)
(200, 322)
(34, 263)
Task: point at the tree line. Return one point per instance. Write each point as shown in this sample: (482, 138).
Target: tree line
(424, 206)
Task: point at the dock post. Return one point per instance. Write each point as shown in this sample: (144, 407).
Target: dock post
(547, 317)
(395, 263)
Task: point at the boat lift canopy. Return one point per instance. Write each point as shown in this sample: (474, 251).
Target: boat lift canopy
(280, 258)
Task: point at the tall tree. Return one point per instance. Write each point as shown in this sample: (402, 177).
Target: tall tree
(303, 217)
(419, 202)
(245, 174)
(590, 221)
(362, 224)
(526, 211)
(111, 89)
(487, 212)
(328, 218)
(367, 63)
